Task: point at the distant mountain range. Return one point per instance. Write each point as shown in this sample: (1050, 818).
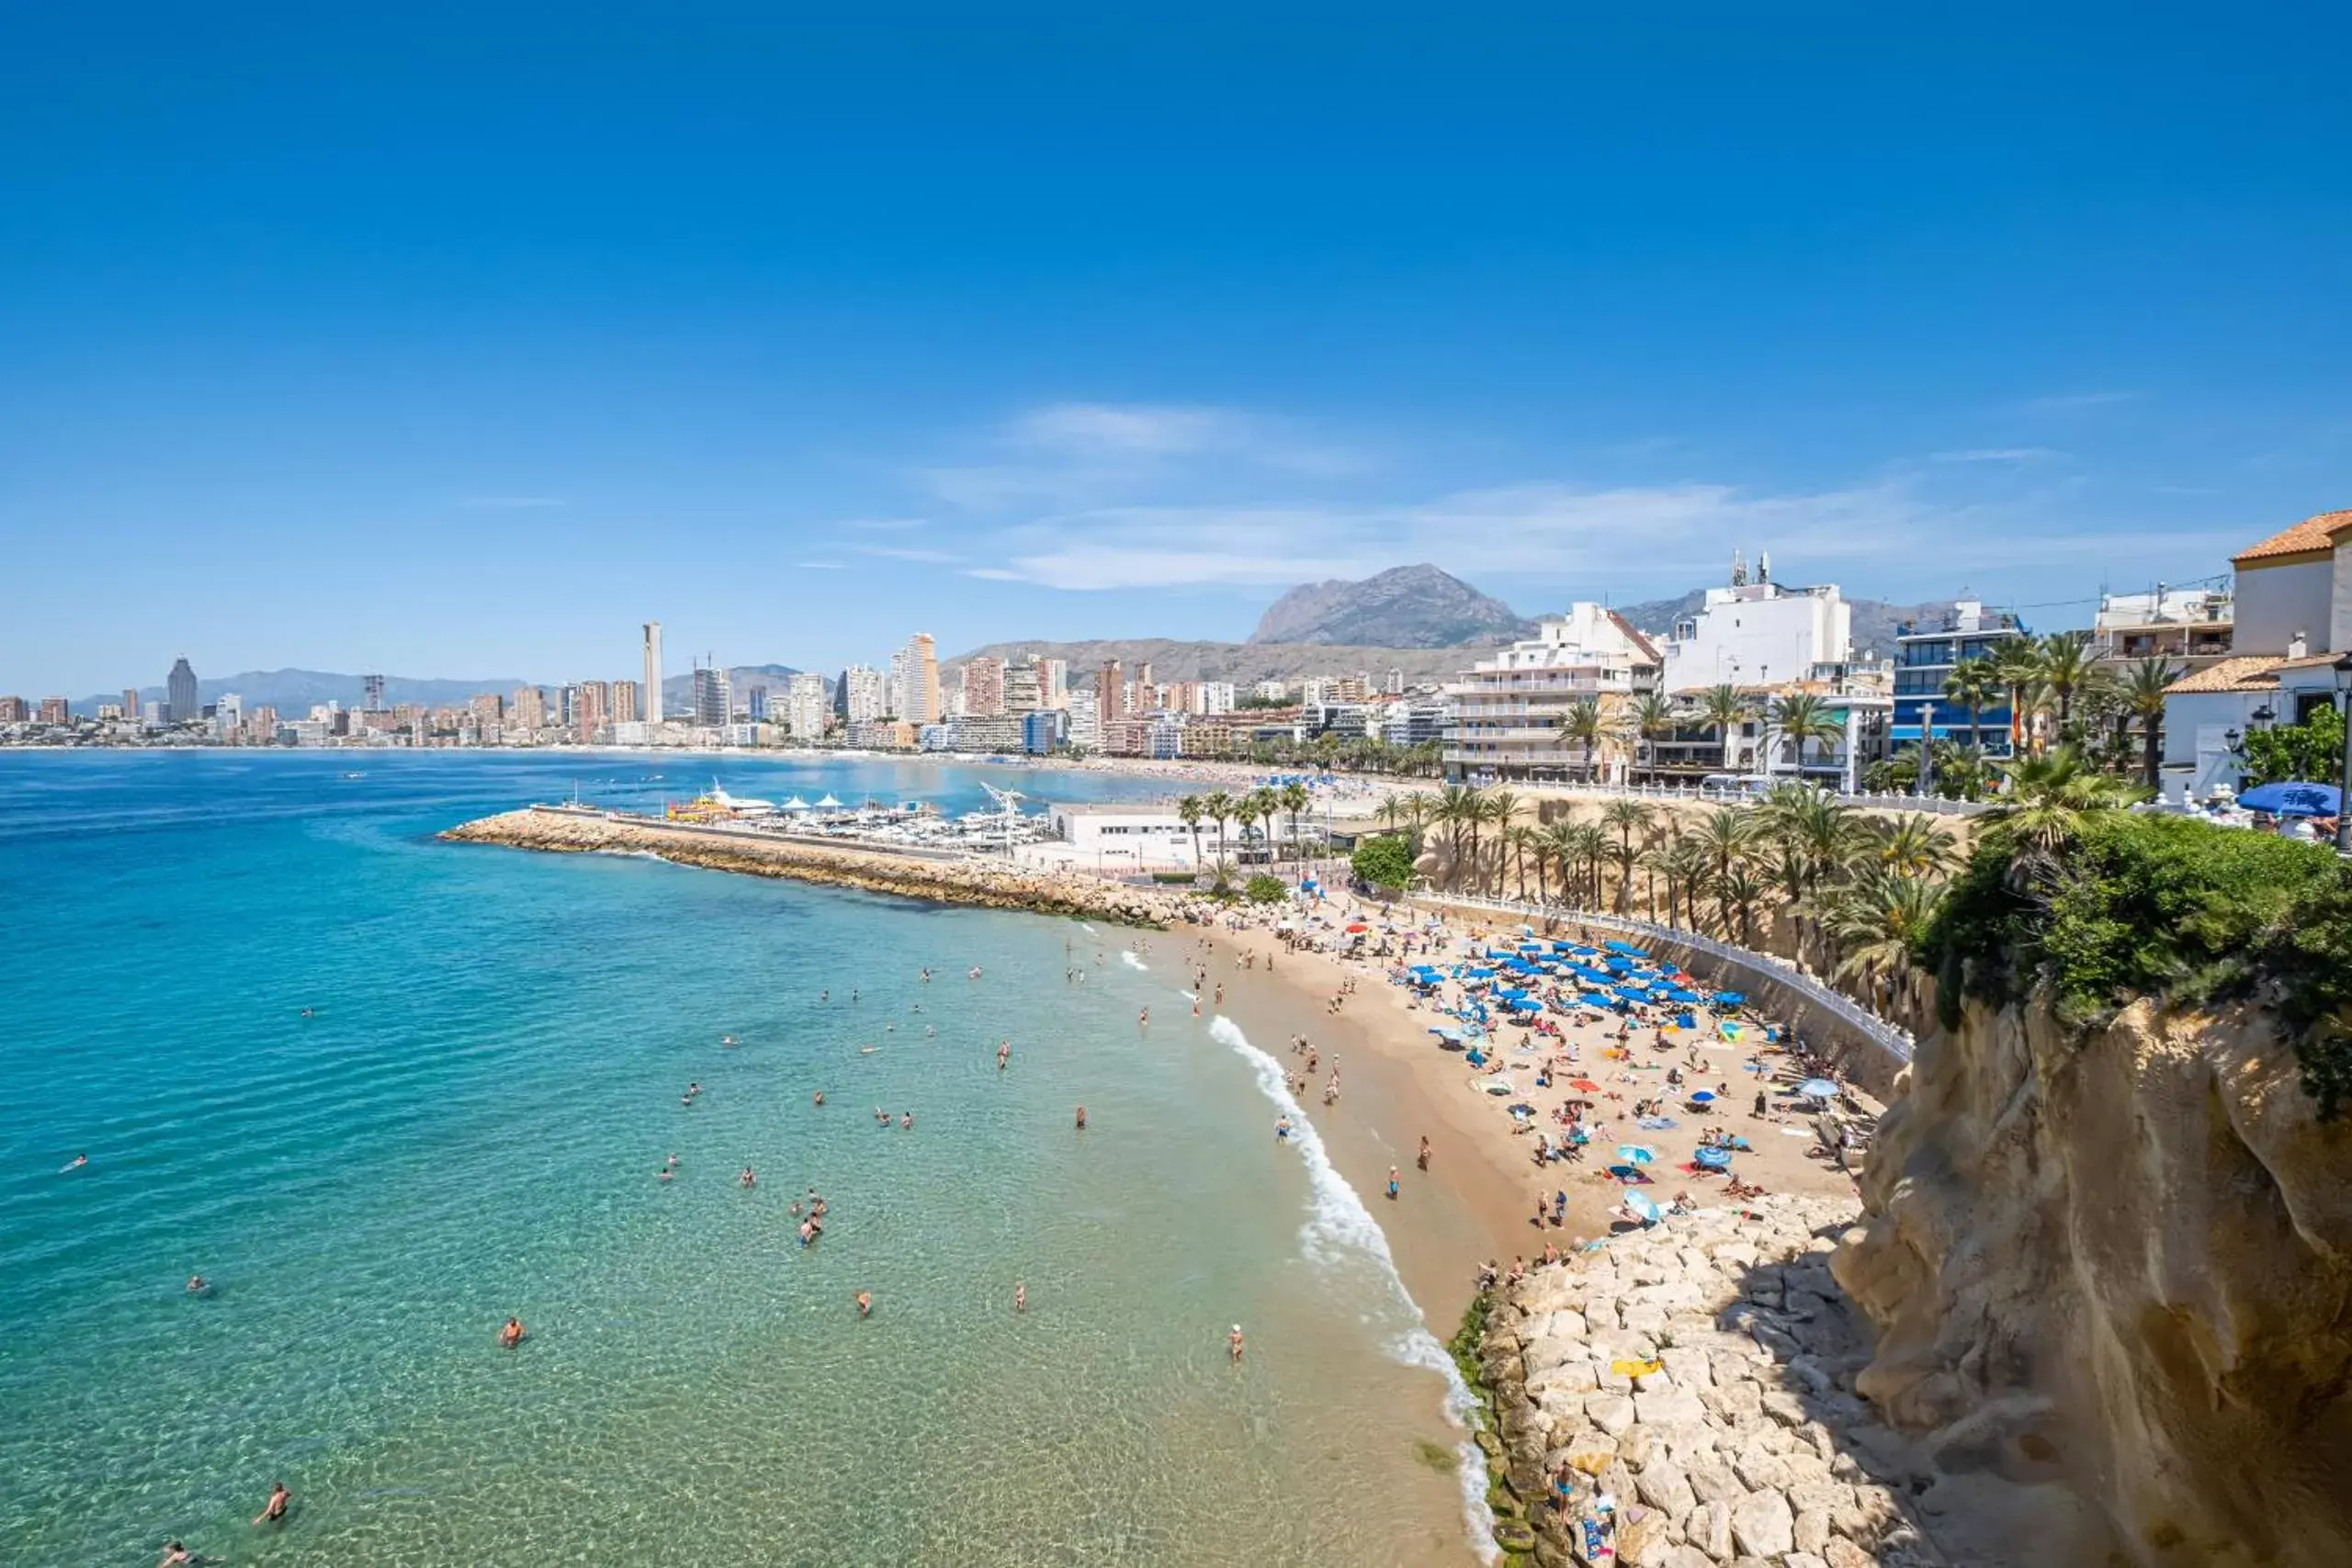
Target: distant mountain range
(1406, 606)
(677, 690)
(298, 691)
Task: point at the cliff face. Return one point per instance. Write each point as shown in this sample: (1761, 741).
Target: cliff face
(2121, 1260)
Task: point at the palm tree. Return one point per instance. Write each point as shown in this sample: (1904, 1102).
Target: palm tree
(1587, 848)
(2065, 661)
(1269, 802)
(1686, 868)
(1498, 808)
(1911, 845)
(1246, 811)
(1802, 717)
(1738, 889)
(1971, 684)
(1653, 717)
(1218, 808)
(1584, 724)
(1294, 800)
(1725, 831)
(1876, 920)
(1724, 710)
(1562, 843)
(1625, 819)
(1188, 812)
(2048, 798)
(1519, 839)
(1452, 810)
(2143, 699)
(2017, 664)
(1220, 876)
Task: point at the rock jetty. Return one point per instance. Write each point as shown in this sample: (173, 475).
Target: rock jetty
(1691, 1387)
(938, 879)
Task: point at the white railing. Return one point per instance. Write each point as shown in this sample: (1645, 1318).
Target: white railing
(1892, 1039)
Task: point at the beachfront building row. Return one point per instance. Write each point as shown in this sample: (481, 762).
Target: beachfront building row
(1592, 698)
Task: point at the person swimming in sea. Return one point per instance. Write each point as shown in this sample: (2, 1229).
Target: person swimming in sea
(818, 1098)
(198, 1285)
(974, 973)
(1003, 1054)
(906, 1123)
(76, 1163)
(865, 1303)
(1019, 1296)
(1081, 1119)
(176, 1555)
(1233, 1344)
(512, 1335)
(273, 1511)
(747, 1179)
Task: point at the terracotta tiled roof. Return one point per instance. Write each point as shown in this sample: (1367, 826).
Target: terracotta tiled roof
(2247, 673)
(2312, 533)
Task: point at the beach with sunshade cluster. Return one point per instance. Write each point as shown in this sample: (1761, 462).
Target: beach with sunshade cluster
(1570, 1084)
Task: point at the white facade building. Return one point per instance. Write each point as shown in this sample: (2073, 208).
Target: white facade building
(1114, 836)
(1760, 634)
(1511, 711)
(866, 700)
(805, 708)
(1085, 723)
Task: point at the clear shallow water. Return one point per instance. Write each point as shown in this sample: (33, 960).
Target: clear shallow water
(468, 1127)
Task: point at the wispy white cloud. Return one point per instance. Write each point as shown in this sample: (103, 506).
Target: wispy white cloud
(993, 573)
(2060, 403)
(1128, 429)
(819, 566)
(1999, 454)
(897, 552)
(509, 502)
(884, 524)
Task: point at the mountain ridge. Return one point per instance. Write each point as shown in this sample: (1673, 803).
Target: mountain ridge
(1408, 606)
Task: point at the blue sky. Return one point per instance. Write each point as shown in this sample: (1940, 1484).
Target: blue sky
(456, 341)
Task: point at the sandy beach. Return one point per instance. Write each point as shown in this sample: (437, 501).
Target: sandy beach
(1478, 1201)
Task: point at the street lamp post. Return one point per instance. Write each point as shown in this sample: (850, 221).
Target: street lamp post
(2343, 668)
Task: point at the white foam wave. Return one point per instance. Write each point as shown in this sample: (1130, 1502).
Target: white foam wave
(1339, 1225)
(1127, 956)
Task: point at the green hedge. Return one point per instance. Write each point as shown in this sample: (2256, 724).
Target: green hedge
(2161, 906)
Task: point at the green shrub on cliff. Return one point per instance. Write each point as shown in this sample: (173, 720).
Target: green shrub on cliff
(2163, 906)
(1264, 889)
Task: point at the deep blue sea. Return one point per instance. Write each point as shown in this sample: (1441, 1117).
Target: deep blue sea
(384, 1092)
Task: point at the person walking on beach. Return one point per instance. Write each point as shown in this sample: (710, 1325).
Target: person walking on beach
(273, 1511)
(1233, 1344)
(1424, 1160)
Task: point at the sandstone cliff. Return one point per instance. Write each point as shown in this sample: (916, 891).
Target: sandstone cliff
(2121, 1259)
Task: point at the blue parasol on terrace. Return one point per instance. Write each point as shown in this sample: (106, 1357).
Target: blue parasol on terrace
(2294, 799)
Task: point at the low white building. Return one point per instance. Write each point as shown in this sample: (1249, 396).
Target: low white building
(1115, 836)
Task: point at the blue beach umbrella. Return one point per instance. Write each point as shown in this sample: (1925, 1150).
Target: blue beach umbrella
(2294, 799)
(1817, 1089)
(1645, 1205)
(1729, 999)
(1636, 1154)
(1702, 1096)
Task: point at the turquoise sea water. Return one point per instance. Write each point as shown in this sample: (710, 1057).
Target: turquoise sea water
(469, 1124)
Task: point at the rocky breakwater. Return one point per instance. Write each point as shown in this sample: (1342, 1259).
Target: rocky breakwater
(1683, 1396)
(2119, 1255)
(988, 884)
